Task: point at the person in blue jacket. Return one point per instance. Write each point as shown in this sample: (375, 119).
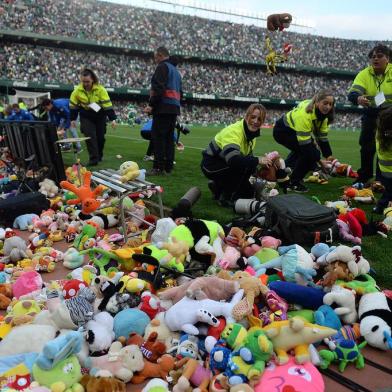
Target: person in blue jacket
(19, 114)
(145, 133)
(60, 115)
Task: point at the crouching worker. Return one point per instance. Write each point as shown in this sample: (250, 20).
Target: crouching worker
(228, 161)
(304, 131)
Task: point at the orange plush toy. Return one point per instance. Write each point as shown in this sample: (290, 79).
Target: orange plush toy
(85, 194)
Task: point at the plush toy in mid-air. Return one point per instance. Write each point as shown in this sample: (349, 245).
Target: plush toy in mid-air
(279, 21)
(85, 194)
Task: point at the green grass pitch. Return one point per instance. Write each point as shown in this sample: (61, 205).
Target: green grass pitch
(126, 141)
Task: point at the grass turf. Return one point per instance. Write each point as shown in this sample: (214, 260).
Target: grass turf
(126, 141)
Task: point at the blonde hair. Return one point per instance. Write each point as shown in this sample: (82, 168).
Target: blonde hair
(257, 106)
(322, 94)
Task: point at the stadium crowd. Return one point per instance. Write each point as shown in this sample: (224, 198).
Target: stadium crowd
(205, 114)
(43, 64)
(130, 26)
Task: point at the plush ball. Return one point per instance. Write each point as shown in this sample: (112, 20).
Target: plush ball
(291, 377)
(130, 321)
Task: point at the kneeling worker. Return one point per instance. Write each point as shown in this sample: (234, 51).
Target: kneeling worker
(228, 161)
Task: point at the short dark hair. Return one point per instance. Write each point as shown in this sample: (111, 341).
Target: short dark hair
(15, 106)
(162, 51)
(89, 72)
(380, 48)
(46, 102)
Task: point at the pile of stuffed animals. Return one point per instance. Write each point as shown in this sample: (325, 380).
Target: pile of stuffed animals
(187, 306)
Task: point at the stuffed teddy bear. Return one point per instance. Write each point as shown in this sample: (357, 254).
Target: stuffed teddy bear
(334, 271)
(160, 369)
(102, 384)
(279, 21)
(183, 315)
(235, 237)
(151, 348)
(202, 288)
(252, 288)
(129, 171)
(277, 172)
(356, 263)
(5, 295)
(120, 362)
(48, 188)
(231, 259)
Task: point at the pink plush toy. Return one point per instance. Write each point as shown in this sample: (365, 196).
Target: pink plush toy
(345, 233)
(230, 258)
(27, 283)
(205, 287)
(270, 242)
(291, 377)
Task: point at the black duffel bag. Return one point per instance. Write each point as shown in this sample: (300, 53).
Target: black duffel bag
(24, 203)
(296, 219)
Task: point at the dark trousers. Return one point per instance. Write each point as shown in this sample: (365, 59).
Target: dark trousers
(367, 141)
(232, 183)
(95, 130)
(387, 195)
(302, 158)
(147, 136)
(162, 137)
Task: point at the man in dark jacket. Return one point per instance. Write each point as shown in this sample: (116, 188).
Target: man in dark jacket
(164, 105)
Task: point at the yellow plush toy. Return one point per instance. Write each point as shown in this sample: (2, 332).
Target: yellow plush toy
(295, 334)
(129, 171)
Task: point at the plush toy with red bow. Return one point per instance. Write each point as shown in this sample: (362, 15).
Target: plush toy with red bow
(85, 195)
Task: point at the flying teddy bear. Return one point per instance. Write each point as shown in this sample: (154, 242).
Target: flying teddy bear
(279, 21)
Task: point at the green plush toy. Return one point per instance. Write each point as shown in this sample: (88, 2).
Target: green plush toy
(266, 254)
(88, 231)
(64, 377)
(306, 314)
(346, 351)
(362, 284)
(249, 360)
(161, 254)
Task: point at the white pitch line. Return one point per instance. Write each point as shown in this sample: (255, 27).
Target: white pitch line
(145, 141)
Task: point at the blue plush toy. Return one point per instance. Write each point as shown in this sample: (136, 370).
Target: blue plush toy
(21, 222)
(59, 349)
(130, 320)
(307, 297)
(326, 317)
(296, 264)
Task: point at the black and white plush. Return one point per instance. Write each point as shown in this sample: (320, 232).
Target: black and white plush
(102, 220)
(113, 301)
(99, 333)
(375, 315)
